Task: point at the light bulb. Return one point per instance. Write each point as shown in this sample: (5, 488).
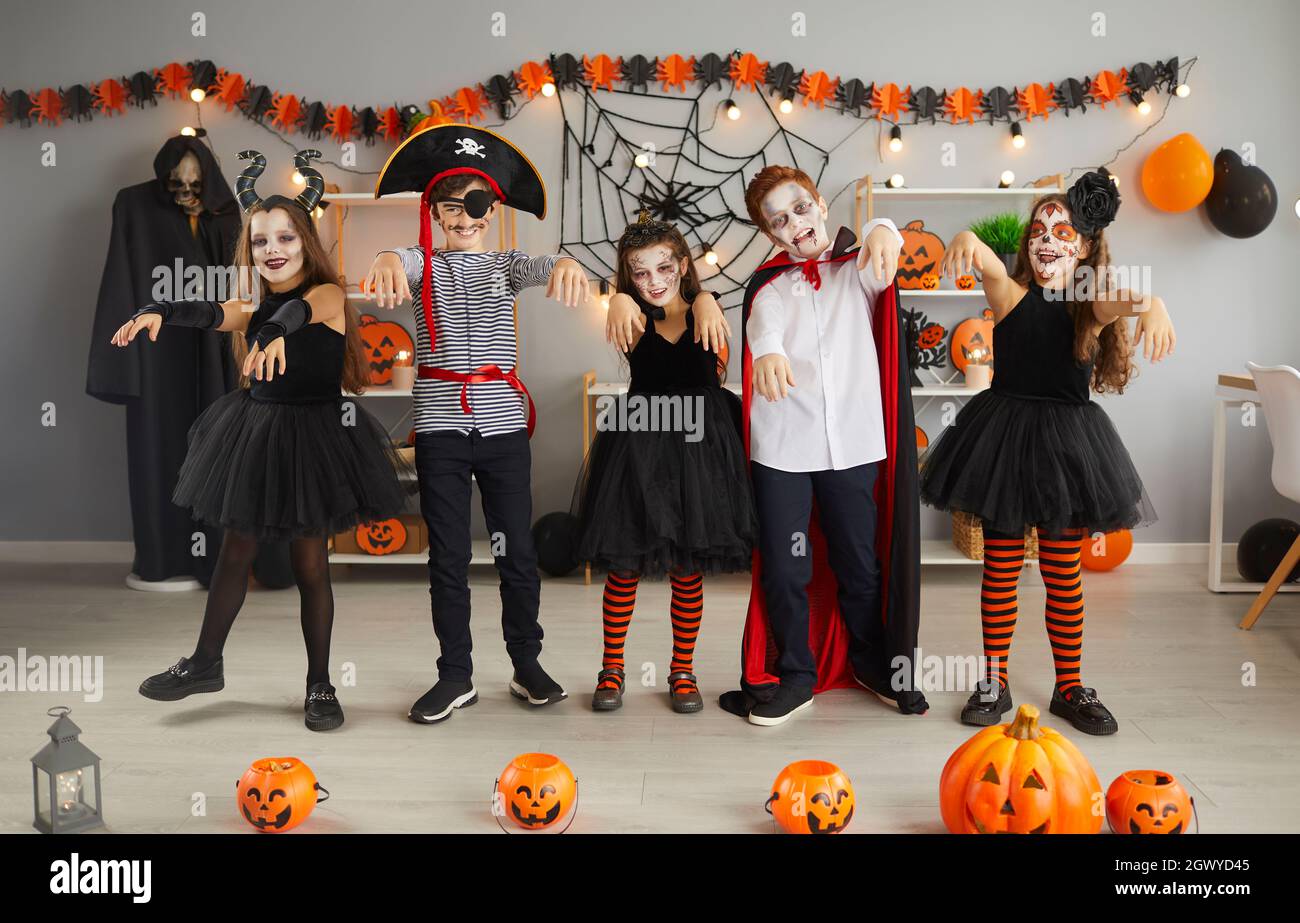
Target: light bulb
(1006, 179)
(711, 257)
(188, 131)
(299, 179)
(197, 94)
(733, 111)
(896, 181)
(1182, 91)
(548, 89)
(1017, 135)
(787, 106)
(641, 160)
(895, 139)
(1144, 107)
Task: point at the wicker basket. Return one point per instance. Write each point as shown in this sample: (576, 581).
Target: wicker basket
(968, 537)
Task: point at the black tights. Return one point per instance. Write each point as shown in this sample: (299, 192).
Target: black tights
(226, 590)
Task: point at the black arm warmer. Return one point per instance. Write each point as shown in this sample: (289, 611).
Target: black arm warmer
(206, 315)
(290, 316)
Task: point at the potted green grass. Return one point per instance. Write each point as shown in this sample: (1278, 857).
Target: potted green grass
(1002, 234)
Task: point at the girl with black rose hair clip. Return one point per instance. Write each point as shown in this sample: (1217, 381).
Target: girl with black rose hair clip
(1034, 450)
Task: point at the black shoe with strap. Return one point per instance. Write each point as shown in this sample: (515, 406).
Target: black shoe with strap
(184, 678)
(684, 691)
(608, 698)
(322, 711)
(1080, 706)
(985, 710)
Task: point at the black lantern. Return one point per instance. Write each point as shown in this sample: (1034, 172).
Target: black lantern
(65, 774)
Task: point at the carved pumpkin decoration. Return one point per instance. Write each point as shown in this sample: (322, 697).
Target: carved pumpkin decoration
(1148, 801)
(383, 340)
(920, 255)
(922, 440)
(974, 333)
(1019, 778)
(277, 794)
(385, 536)
(536, 791)
(811, 796)
(930, 281)
(965, 282)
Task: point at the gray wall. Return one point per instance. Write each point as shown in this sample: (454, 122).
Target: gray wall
(1232, 300)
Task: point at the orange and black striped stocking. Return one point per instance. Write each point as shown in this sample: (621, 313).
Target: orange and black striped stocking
(1004, 558)
(616, 610)
(1058, 559)
(687, 610)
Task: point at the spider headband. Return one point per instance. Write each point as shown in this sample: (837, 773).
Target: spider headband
(644, 231)
(307, 200)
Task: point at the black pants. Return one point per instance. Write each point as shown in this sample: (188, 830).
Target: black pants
(847, 512)
(502, 465)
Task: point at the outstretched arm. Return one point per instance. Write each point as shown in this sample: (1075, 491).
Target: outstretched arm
(765, 330)
(1155, 331)
(966, 251)
(205, 315)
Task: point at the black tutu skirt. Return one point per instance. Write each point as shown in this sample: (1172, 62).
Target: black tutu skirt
(1015, 462)
(652, 502)
(279, 471)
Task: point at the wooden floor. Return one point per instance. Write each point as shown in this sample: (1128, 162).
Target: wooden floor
(1164, 654)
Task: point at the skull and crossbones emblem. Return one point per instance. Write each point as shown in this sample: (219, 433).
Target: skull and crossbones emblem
(469, 146)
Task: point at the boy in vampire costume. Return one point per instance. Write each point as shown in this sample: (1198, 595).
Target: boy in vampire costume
(473, 415)
(835, 596)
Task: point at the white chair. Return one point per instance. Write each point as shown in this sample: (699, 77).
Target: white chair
(1279, 391)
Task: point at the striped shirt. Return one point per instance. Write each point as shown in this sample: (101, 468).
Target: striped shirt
(473, 318)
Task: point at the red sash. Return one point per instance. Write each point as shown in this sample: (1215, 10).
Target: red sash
(481, 374)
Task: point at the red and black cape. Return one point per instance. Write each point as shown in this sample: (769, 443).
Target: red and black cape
(898, 544)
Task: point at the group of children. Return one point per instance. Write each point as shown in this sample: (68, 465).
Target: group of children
(813, 487)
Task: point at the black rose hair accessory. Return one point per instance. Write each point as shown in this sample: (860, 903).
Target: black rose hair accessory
(1094, 200)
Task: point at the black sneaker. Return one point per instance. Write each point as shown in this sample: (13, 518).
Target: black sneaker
(983, 710)
(531, 683)
(323, 711)
(436, 704)
(737, 702)
(182, 679)
(787, 701)
(1081, 707)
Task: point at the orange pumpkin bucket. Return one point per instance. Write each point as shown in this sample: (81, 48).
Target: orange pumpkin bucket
(278, 793)
(536, 791)
(811, 796)
(1149, 801)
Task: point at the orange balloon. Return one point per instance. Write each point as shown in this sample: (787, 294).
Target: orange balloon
(1107, 551)
(1178, 174)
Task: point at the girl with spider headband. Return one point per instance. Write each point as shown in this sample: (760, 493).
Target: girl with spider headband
(1034, 450)
(286, 456)
(664, 487)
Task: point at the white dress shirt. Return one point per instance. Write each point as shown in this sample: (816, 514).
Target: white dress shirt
(832, 418)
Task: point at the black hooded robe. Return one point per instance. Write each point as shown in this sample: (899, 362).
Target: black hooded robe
(165, 385)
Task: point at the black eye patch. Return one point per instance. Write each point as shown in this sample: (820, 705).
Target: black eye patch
(476, 202)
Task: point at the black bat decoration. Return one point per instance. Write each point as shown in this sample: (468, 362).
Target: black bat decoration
(638, 72)
(142, 88)
(314, 118)
(500, 91)
(710, 70)
(256, 101)
(18, 108)
(853, 95)
(998, 103)
(1072, 94)
(78, 103)
(368, 124)
(566, 71)
(782, 79)
(925, 102)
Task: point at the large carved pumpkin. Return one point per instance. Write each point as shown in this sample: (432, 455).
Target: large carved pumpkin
(536, 791)
(811, 796)
(1148, 801)
(1019, 778)
(920, 255)
(277, 794)
(383, 340)
(385, 536)
(971, 334)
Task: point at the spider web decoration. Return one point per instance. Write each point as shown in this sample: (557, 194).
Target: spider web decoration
(686, 180)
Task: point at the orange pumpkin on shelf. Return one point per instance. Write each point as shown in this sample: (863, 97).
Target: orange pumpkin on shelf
(1148, 801)
(1019, 778)
(536, 791)
(965, 282)
(920, 255)
(1107, 551)
(383, 340)
(930, 281)
(277, 794)
(971, 334)
(385, 536)
(811, 796)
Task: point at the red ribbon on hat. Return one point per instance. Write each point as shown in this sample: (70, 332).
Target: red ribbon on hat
(478, 376)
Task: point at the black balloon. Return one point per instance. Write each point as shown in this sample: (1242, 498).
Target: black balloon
(1242, 199)
(556, 538)
(1262, 548)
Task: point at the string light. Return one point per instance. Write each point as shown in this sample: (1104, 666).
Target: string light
(895, 181)
(1182, 91)
(188, 131)
(895, 139)
(1007, 178)
(604, 294)
(1017, 135)
(548, 89)
(299, 179)
(787, 103)
(641, 160)
(711, 257)
(197, 94)
(1144, 107)
(733, 111)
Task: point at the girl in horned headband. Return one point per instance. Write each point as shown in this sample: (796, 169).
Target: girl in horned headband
(287, 456)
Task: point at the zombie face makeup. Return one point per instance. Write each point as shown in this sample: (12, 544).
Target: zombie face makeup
(462, 230)
(1055, 247)
(277, 247)
(185, 183)
(796, 220)
(656, 273)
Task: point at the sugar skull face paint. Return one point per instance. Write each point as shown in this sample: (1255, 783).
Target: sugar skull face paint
(277, 247)
(796, 220)
(656, 273)
(1055, 247)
